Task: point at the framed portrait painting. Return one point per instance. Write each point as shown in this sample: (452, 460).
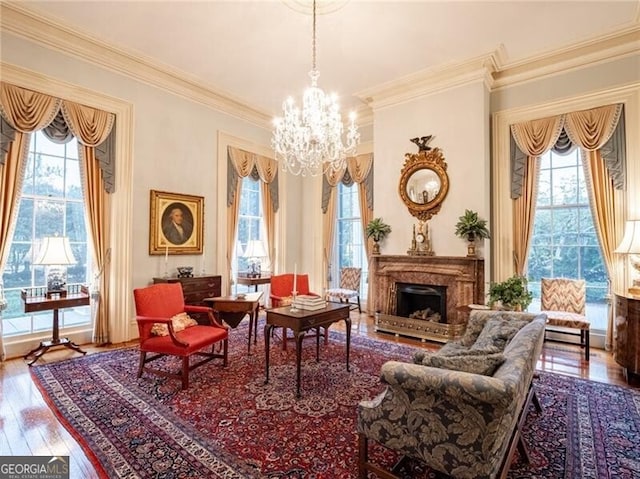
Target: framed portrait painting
(176, 223)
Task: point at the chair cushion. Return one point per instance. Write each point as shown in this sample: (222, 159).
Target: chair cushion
(484, 364)
(497, 332)
(197, 337)
(180, 321)
(567, 320)
(342, 293)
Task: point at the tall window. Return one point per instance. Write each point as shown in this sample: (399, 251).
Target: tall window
(348, 245)
(250, 222)
(564, 242)
(51, 204)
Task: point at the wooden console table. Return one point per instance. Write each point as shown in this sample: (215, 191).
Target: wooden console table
(33, 304)
(627, 323)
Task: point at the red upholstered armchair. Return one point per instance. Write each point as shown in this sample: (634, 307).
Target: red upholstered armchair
(282, 288)
(158, 304)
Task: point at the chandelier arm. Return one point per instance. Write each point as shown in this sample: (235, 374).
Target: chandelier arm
(313, 42)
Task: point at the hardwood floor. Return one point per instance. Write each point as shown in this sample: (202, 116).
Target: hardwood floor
(29, 427)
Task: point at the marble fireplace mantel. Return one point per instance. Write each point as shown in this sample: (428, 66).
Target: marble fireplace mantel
(461, 275)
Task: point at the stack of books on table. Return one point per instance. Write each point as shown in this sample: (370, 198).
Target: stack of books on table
(309, 303)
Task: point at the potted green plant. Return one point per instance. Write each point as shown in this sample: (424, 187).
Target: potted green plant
(511, 294)
(471, 227)
(377, 230)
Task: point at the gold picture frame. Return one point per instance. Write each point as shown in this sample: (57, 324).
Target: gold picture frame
(176, 223)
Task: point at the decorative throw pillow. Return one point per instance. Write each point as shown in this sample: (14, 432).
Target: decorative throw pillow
(180, 321)
(474, 328)
(480, 364)
(497, 333)
(286, 301)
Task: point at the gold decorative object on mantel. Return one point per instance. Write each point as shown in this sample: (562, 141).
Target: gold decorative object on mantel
(420, 241)
(424, 182)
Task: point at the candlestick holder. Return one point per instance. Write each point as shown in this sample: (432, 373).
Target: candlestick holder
(294, 308)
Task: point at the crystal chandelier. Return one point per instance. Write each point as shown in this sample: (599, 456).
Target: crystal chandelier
(310, 141)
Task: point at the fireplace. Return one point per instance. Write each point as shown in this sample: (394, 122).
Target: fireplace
(421, 301)
(425, 297)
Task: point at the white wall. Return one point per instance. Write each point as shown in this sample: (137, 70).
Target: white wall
(458, 119)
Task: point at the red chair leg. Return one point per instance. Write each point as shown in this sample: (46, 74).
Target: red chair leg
(226, 350)
(143, 356)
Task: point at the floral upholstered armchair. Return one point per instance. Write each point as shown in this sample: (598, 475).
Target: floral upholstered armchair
(458, 410)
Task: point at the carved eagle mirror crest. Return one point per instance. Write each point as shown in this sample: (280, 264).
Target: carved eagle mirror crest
(424, 182)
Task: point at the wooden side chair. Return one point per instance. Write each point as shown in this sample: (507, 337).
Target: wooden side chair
(349, 286)
(564, 302)
(163, 304)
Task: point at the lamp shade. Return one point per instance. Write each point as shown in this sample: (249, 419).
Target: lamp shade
(255, 249)
(630, 243)
(55, 250)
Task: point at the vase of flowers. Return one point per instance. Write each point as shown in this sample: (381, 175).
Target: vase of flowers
(377, 230)
(472, 228)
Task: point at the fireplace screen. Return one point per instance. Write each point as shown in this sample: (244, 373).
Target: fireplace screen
(419, 301)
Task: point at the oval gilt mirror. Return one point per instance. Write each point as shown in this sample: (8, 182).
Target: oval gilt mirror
(424, 182)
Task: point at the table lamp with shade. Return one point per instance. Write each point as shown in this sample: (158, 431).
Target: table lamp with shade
(55, 254)
(630, 246)
(255, 253)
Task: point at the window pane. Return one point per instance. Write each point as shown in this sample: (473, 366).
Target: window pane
(24, 221)
(76, 229)
(540, 262)
(50, 178)
(49, 218)
(560, 161)
(565, 186)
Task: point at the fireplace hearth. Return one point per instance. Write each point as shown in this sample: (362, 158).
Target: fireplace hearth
(420, 301)
(425, 297)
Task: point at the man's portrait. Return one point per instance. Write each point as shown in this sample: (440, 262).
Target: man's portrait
(177, 223)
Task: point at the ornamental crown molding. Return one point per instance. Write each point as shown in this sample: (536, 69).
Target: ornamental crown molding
(615, 45)
(433, 80)
(25, 23)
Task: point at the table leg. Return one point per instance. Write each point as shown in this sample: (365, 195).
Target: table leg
(55, 341)
(299, 338)
(255, 324)
(267, 338)
(250, 330)
(347, 323)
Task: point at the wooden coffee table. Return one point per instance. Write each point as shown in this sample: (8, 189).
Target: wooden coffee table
(300, 322)
(232, 309)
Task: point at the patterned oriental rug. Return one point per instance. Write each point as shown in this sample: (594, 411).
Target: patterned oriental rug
(228, 424)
